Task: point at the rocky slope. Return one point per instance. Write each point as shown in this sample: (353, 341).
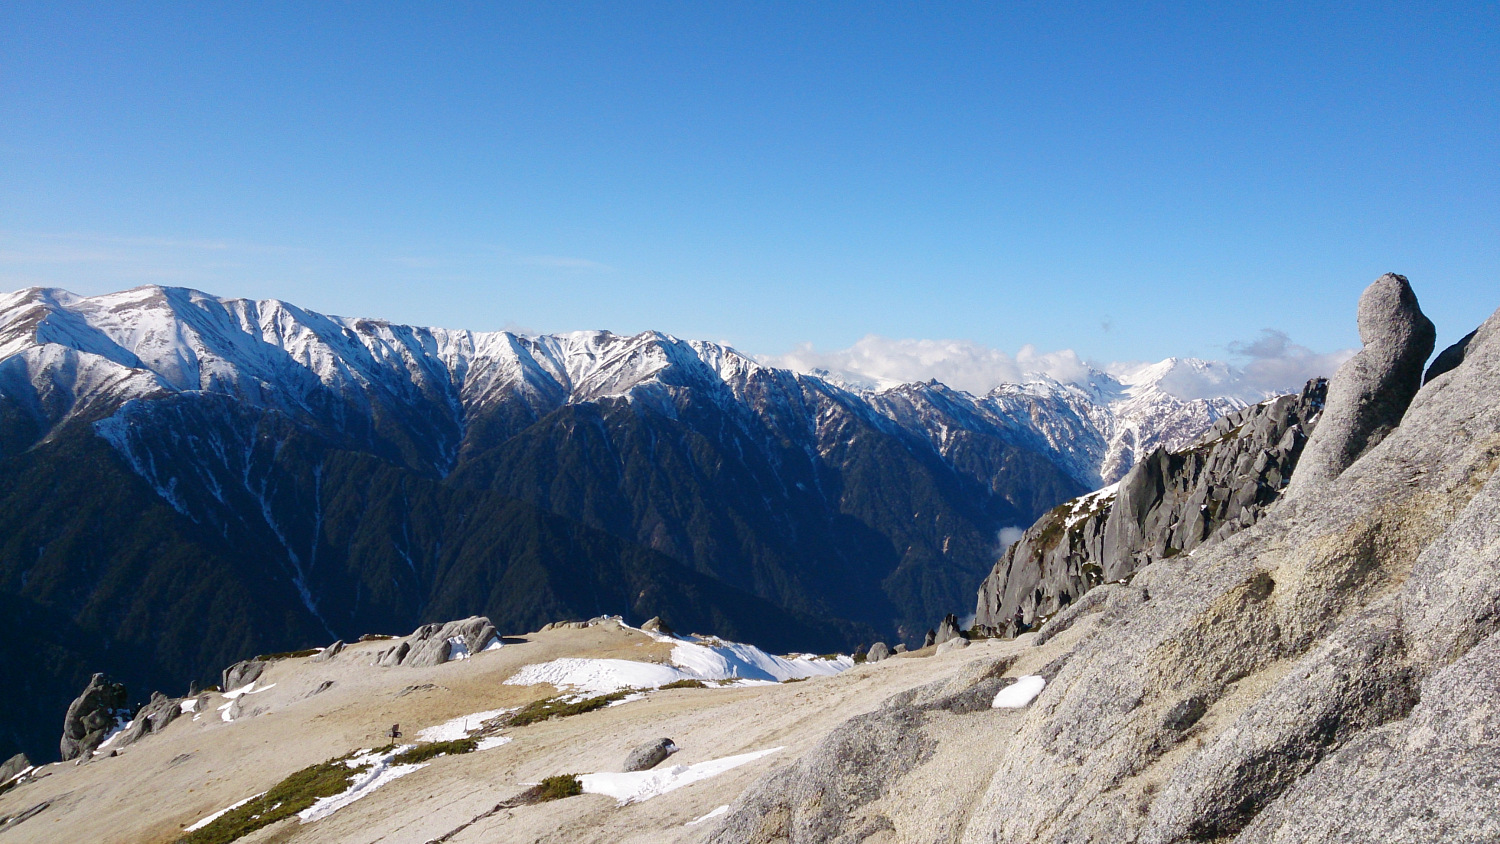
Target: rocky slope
(1327, 674)
(187, 480)
(1171, 502)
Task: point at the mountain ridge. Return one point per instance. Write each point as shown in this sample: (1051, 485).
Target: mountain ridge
(328, 476)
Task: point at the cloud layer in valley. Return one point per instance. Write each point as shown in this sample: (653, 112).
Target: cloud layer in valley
(1268, 365)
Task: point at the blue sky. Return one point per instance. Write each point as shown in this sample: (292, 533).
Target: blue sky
(1124, 180)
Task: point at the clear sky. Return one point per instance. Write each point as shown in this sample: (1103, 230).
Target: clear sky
(1124, 180)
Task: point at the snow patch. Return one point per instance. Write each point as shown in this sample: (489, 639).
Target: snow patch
(121, 725)
(380, 773)
(598, 676)
(695, 658)
(644, 785)
(491, 742)
(221, 813)
(715, 659)
(248, 689)
(1020, 693)
(714, 814)
(460, 727)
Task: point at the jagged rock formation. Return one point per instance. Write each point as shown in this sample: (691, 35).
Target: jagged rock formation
(1169, 503)
(948, 629)
(1328, 674)
(103, 707)
(1371, 391)
(649, 755)
(435, 644)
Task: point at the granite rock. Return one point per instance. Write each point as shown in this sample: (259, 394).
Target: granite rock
(100, 709)
(649, 755)
(1371, 391)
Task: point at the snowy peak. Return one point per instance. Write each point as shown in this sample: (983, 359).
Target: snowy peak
(1181, 378)
(62, 355)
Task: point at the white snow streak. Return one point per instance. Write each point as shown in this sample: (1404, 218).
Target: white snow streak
(221, 813)
(644, 785)
(380, 773)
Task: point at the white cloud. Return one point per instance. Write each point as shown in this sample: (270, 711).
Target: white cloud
(1010, 536)
(1277, 365)
(1273, 365)
(881, 361)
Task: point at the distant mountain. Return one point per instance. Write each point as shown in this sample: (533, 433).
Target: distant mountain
(186, 480)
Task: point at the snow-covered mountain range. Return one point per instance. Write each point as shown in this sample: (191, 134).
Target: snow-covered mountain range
(188, 480)
(64, 356)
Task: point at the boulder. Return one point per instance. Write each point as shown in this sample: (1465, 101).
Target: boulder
(152, 718)
(899, 649)
(242, 674)
(329, 652)
(656, 625)
(878, 651)
(649, 755)
(13, 766)
(954, 644)
(99, 710)
(930, 639)
(1370, 393)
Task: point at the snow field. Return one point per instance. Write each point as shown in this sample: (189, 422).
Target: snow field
(697, 658)
(643, 785)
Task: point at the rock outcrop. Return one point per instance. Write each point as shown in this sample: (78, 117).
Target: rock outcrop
(948, 629)
(103, 707)
(838, 791)
(242, 673)
(435, 644)
(1372, 390)
(329, 652)
(152, 718)
(1168, 504)
(656, 625)
(649, 755)
(13, 766)
(878, 651)
(1329, 674)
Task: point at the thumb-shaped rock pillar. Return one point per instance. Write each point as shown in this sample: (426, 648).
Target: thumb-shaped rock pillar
(1372, 390)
